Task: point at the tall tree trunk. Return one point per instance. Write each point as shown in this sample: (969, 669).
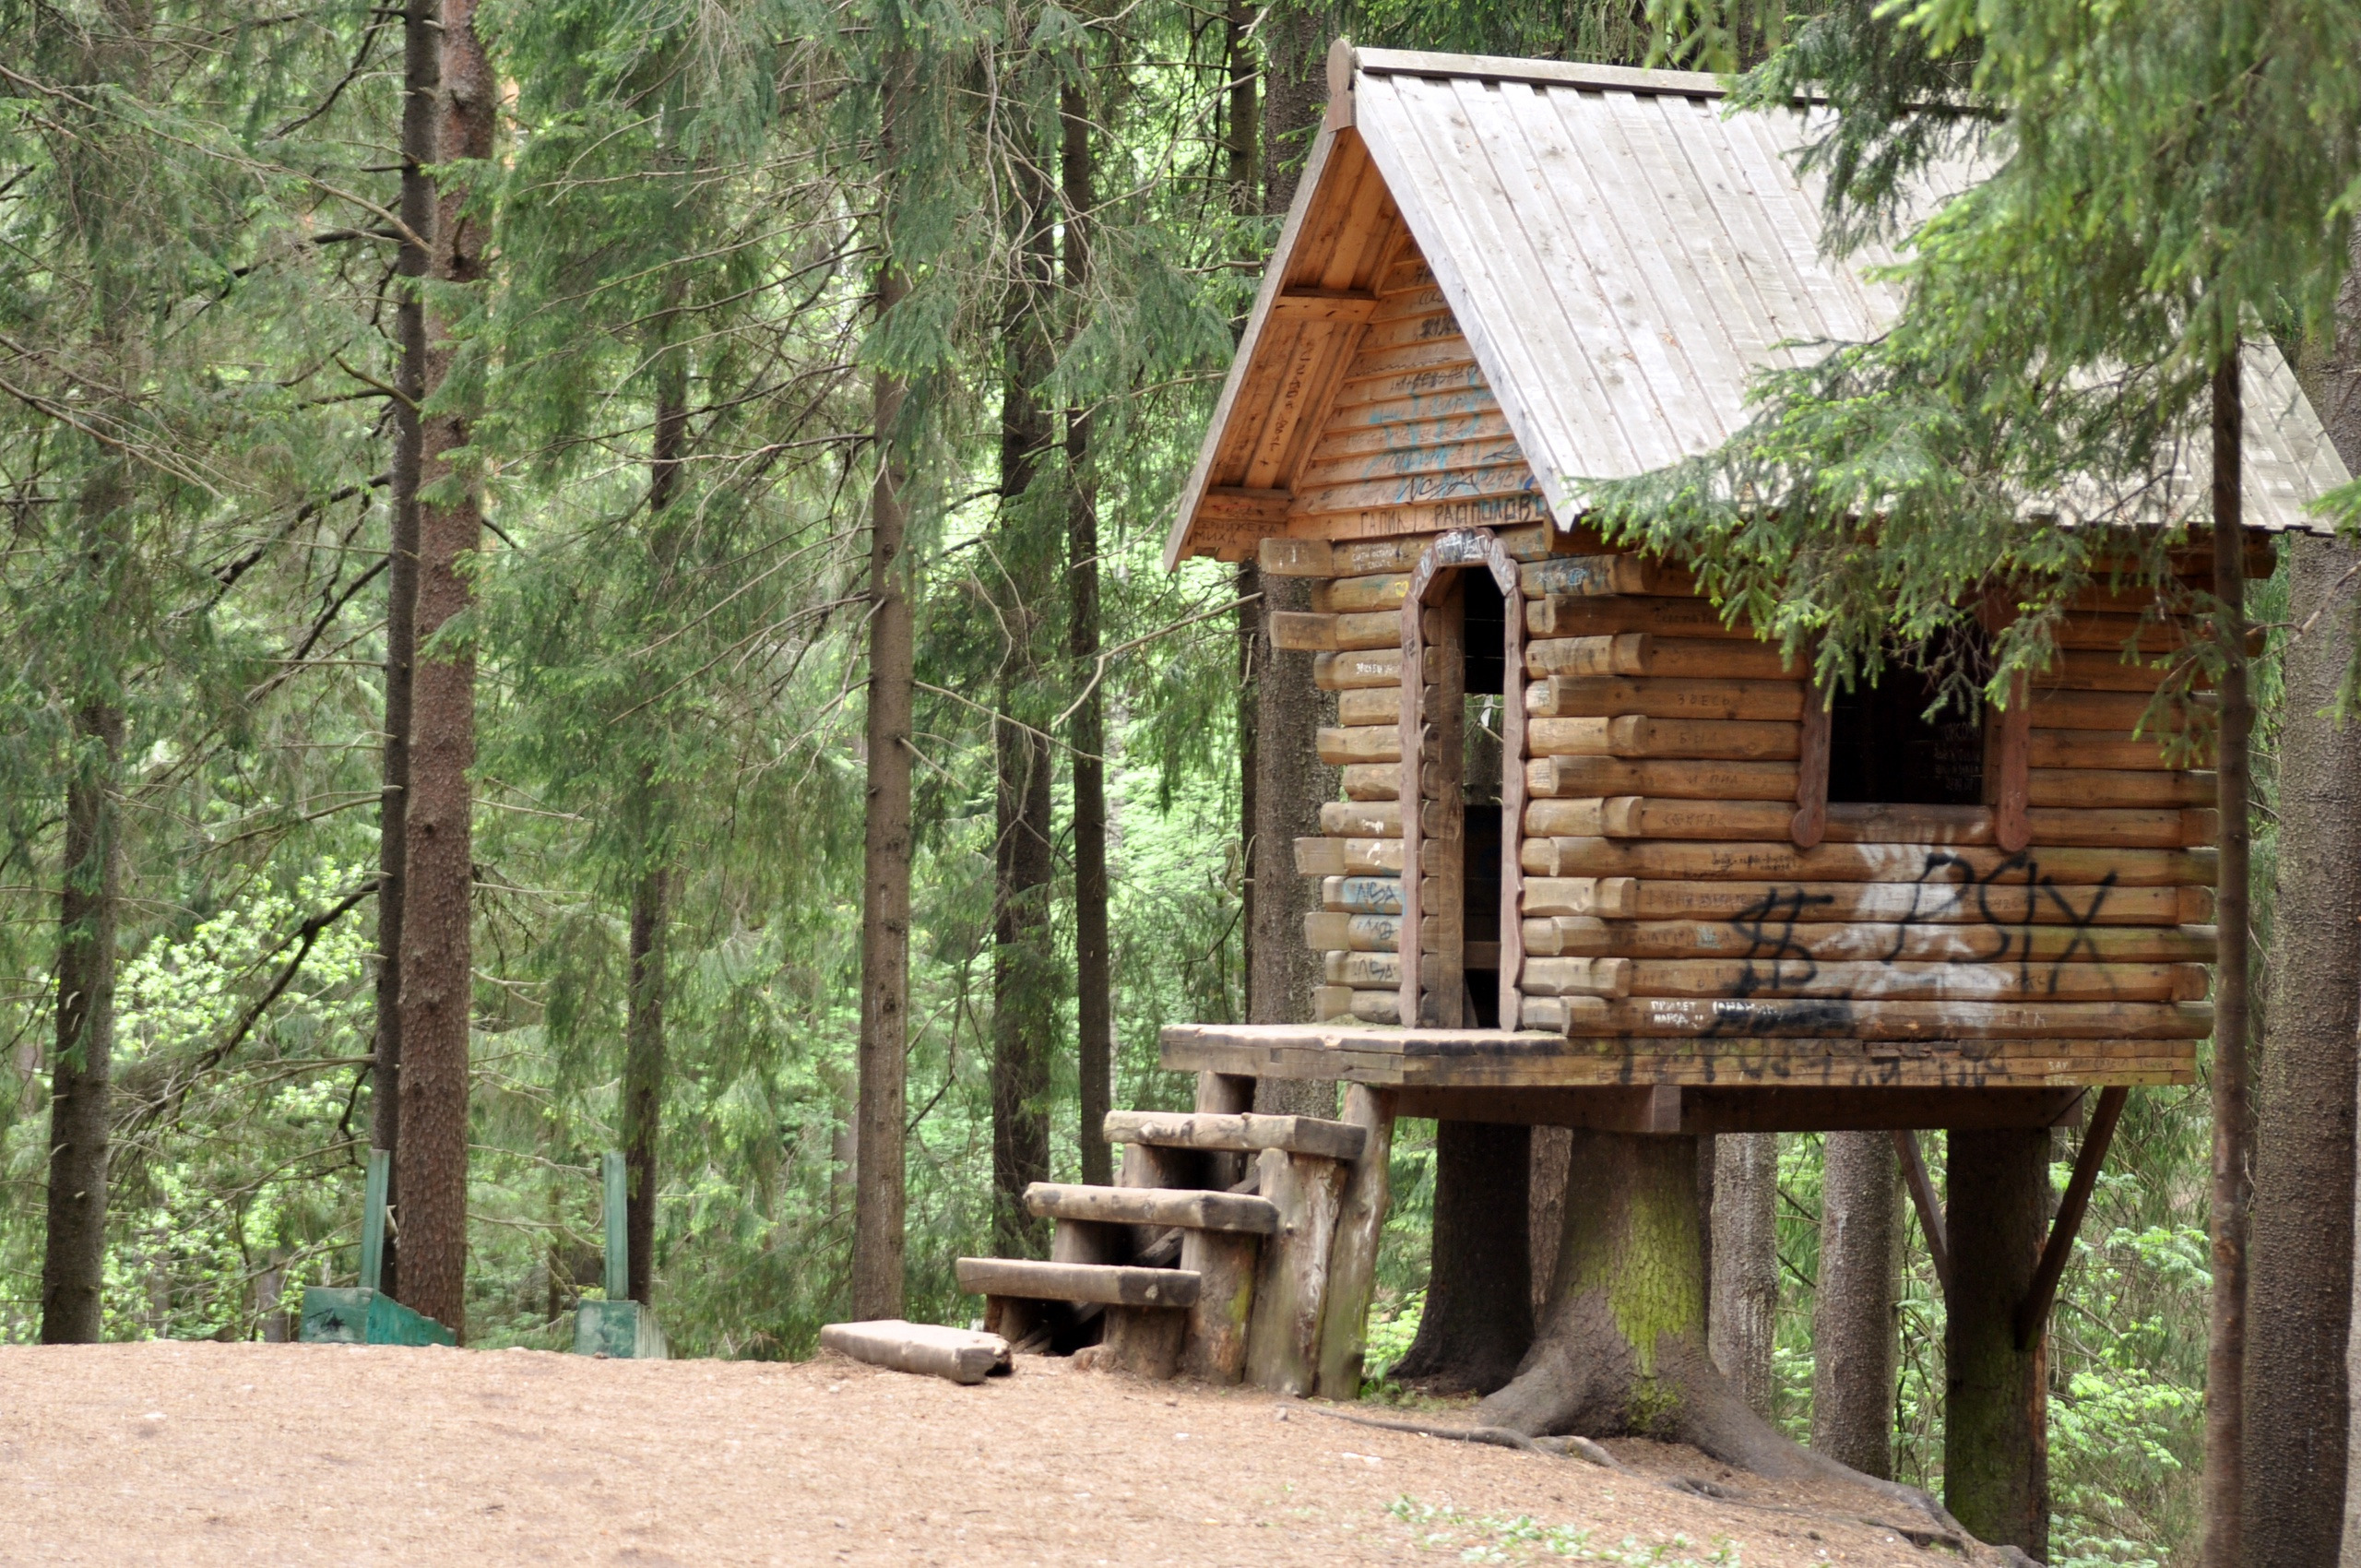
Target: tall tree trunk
(1238, 137)
(1743, 1320)
(2233, 1124)
(643, 1074)
(2300, 1293)
(1996, 1428)
(880, 1181)
(1023, 968)
(1093, 983)
(1289, 780)
(422, 84)
(1853, 1329)
(1478, 1319)
(1244, 194)
(438, 983)
(73, 1274)
(1553, 1150)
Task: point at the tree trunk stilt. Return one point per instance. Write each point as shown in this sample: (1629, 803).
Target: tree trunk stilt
(1995, 1430)
(1854, 1338)
(1478, 1319)
(1743, 1320)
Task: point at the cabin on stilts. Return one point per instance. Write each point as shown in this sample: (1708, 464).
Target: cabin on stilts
(1600, 859)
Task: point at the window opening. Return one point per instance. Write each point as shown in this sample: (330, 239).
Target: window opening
(1884, 749)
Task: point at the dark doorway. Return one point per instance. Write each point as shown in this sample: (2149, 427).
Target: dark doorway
(1884, 748)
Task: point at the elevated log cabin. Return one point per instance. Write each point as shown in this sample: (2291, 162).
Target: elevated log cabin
(1651, 857)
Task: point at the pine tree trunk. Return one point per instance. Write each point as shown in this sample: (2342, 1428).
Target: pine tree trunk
(644, 1075)
(438, 983)
(1743, 1320)
(2300, 1482)
(1478, 1319)
(2233, 1115)
(1853, 1326)
(1295, 91)
(422, 83)
(1093, 983)
(1995, 1430)
(1553, 1150)
(73, 1274)
(880, 1181)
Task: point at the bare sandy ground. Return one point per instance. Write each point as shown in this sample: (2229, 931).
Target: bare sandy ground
(270, 1455)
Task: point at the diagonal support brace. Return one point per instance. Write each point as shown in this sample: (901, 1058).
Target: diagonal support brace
(1930, 1211)
(2032, 1315)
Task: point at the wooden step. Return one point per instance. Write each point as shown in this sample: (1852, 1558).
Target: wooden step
(1296, 1134)
(1107, 1283)
(1189, 1208)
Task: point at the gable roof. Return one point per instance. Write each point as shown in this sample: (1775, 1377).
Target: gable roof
(1621, 254)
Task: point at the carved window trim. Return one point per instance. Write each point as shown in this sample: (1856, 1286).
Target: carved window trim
(1462, 547)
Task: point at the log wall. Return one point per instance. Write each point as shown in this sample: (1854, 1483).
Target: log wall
(1666, 899)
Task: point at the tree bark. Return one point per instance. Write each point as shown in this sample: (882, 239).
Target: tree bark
(2233, 1115)
(1478, 1319)
(2300, 1292)
(422, 84)
(1295, 91)
(1854, 1341)
(73, 1276)
(880, 1182)
(1996, 1430)
(1553, 1148)
(438, 983)
(1743, 1315)
(644, 1075)
(1094, 983)
(1022, 982)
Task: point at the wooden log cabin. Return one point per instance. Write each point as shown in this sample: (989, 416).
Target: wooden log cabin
(1662, 886)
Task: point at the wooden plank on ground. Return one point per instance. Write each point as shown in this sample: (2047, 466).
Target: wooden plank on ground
(928, 1348)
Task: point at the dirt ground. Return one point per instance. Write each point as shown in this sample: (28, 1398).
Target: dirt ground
(310, 1455)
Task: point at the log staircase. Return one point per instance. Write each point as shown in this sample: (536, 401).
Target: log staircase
(1234, 1248)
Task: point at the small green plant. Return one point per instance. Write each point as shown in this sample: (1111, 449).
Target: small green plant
(1444, 1527)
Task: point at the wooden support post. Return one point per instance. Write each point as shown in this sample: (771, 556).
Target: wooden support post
(372, 1217)
(1291, 1285)
(1996, 1430)
(1142, 1341)
(1810, 823)
(1224, 1094)
(2033, 1314)
(1213, 1347)
(1352, 1262)
(613, 1180)
(1930, 1208)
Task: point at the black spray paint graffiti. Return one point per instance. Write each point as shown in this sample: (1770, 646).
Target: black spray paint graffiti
(1948, 892)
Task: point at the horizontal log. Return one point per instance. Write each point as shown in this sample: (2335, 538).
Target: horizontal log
(1594, 577)
(1343, 1002)
(1363, 895)
(1579, 696)
(1375, 971)
(1577, 976)
(1347, 671)
(2120, 712)
(1769, 906)
(1311, 1135)
(1107, 1283)
(1636, 816)
(1403, 430)
(1340, 746)
(1568, 775)
(2089, 748)
(1325, 305)
(1371, 704)
(2084, 787)
(1641, 653)
(1871, 942)
(1561, 1014)
(2078, 670)
(1280, 556)
(1360, 596)
(1689, 739)
(1577, 615)
(1910, 1020)
(1333, 930)
(1187, 1208)
(1300, 633)
(1868, 980)
(1477, 465)
(1324, 855)
(1361, 819)
(1265, 509)
(1371, 781)
(1609, 898)
(1948, 865)
(929, 1349)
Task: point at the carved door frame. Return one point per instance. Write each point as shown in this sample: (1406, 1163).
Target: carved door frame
(1462, 547)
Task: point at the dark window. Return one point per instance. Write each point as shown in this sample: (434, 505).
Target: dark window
(1484, 632)
(1883, 748)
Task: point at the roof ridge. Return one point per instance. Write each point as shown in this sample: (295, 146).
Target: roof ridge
(1549, 73)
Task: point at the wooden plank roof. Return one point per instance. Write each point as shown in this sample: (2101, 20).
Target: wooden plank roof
(1621, 254)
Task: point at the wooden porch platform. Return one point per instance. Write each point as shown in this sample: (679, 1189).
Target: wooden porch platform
(1689, 1085)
